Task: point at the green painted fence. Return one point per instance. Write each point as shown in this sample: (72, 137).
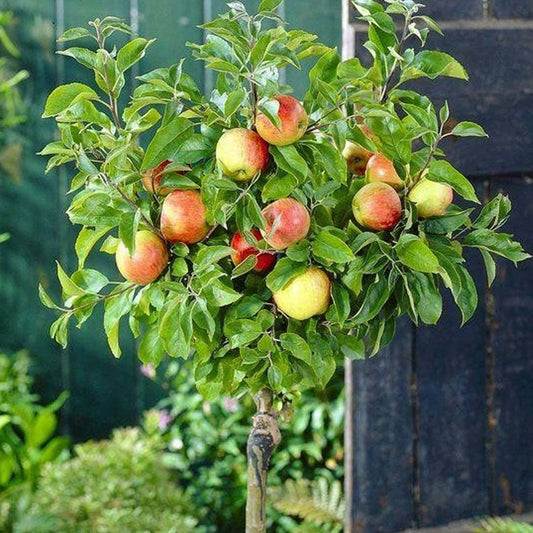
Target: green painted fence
(104, 392)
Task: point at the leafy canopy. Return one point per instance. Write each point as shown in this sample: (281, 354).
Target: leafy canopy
(202, 307)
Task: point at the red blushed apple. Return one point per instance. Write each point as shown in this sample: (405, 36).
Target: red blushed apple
(183, 217)
(152, 178)
(377, 207)
(148, 261)
(356, 156)
(244, 249)
(379, 169)
(293, 118)
(287, 222)
(241, 154)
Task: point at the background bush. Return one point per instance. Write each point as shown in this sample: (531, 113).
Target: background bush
(111, 486)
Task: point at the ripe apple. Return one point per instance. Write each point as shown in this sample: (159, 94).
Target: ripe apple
(377, 207)
(241, 154)
(356, 156)
(148, 261)
(183, 217)
(306, 295)
(293, 118)
(287, 222)
(379, 169)
(244, 249)
(431, 198)
(152, 178)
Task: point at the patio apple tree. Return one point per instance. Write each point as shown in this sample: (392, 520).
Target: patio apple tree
(264, 237)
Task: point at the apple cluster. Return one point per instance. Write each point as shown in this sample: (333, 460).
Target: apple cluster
(377, 205)
(242, 154)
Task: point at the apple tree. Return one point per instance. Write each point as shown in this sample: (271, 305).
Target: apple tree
(262, 237)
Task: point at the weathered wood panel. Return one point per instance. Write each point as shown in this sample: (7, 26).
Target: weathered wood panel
(382, 439)
(512, 351)
(451, 385)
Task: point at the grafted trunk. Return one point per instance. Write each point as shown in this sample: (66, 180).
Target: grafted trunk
(262, 441)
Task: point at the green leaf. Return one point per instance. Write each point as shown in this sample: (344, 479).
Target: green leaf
(210, 255)
(151, 348)
(340, 309)
(242, 332)
(442, 172)
(115, 307)
(246, 266)
(74, 33)
(330, 248)
(68, 286)
(45, 299)
(166, 142)
(278, 186)
(427, 297)
(415, 254)
(234, 101)
(58, 330)
(222, 295)
(297, 346)
(447, 223)
(64, 96)
(431, 64)
(284, 271)
(288, 159)
(41, 429)
(85, 242)
(496, 243)
(85, 57)
(269, 5)
(468, 129)
(376, 297)
(351, 347)
(494, 214)
(132, 53)
(129, 223)
(490, 266)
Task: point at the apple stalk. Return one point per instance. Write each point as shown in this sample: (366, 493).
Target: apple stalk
(262, 441)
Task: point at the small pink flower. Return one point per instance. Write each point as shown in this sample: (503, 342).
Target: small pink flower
(164, 419)
(231, 405)
(176, 444)
(148, 371)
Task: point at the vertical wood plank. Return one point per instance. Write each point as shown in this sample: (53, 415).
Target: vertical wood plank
(452, 417)
(512, 350)
(382, 440)
(30, 200)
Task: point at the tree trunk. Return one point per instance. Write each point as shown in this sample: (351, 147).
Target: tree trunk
(264, 437)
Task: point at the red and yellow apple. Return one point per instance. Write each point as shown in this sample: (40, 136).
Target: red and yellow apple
(305, 295)
(183, 217)
(244, 249)
(152, 178)
(377, 206)
(293, 122)
(379, 169)
(356, 156)
(287, 222)
(241, 154)
(431, 198)
(148, 261)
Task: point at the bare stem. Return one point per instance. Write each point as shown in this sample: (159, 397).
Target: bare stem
(399, 50)
(263, 439)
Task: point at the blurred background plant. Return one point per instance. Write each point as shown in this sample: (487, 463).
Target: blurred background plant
(205, 443)
(11, 104)
(27, 434)
(110, 486)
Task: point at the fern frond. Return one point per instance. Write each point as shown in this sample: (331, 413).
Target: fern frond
(503, 525)
(311, 501)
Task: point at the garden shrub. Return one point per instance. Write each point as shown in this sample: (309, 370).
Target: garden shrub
(114, 486)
